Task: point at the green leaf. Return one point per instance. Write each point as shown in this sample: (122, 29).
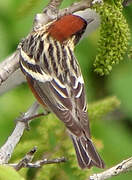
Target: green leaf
(8, 173)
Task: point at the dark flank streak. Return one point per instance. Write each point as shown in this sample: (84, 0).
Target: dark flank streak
(50, 50)
(31, 40)
(34, 68)
(45, 61)
(40, 50)
(32, 49)
(64, 59)
(25, 45)
(58, 52)
(72, 60)
(73, 80)
(30, 55)
(55, 68)
(51, 54)
(38, 69)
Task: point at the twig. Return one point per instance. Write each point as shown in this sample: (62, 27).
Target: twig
(122, 167)
(27, 158)
(26, 120)
(8, 148)
(40, 163)
(26, 161)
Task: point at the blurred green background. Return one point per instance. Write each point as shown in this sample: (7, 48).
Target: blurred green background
(114, 130)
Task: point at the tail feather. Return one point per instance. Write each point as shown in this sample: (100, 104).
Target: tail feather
(87, 155)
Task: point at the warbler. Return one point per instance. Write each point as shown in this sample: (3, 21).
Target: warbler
(53, 73)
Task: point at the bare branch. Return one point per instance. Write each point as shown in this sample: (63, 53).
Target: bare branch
(122, 167)
(8, 148)
(54, 4)
(40, 163)
(75, 7)
(15, 79)
(51, 12)
(27, 159)
(26, 120)
(8, 66)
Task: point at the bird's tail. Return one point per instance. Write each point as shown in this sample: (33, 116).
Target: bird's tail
(87, 155)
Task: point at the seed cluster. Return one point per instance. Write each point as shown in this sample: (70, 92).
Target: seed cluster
(114, 36)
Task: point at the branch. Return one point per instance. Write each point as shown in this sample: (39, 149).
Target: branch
(27, 158)
(51, 12)
(122, 167)
(82, 5)
(54, 4)
(8, 148)
(14, 79)
(40, 163)
(26, 161)
(8, 66)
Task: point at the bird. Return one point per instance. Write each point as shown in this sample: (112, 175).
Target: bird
(54, 76)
